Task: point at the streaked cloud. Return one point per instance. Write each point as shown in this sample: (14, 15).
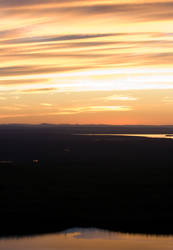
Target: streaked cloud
(119, 98)
(142, 11)
(46, 39)
(46, 104)
(98, 109)
(33, 70)
(38, 90)
(83, 60)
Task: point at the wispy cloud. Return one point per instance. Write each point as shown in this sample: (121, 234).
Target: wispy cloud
(142, 11)
(133, 11)
(34, 70)
(58, 51)
(97, 109)
(46, 104)
(55, 38)
(38, 90)
(119, 98)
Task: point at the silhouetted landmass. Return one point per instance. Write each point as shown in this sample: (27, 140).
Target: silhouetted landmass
(116, 183)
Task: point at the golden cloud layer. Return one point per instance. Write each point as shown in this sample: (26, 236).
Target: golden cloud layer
(55, 52)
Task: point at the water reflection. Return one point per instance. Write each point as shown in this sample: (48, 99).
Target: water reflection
(89, 239)
(161, 136)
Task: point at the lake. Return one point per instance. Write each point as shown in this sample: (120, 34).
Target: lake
(161, 136)
(88, 239)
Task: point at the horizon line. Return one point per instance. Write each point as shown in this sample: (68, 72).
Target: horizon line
(78, 124)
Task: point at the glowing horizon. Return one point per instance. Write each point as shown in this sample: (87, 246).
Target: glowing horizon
(86, 62)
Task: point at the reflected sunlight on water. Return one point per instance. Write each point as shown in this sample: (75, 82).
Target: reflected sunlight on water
(161, 136)
(78, 239)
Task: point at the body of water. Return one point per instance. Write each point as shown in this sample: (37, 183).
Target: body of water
(88, 239)
(161, 136)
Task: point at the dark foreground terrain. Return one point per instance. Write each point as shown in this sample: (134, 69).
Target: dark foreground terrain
(116, 183)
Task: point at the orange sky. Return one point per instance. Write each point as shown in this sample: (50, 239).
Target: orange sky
(89, 61)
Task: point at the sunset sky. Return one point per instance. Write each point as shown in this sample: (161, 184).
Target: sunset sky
(86, 61)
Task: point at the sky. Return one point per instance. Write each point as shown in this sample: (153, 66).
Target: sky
(86, 62)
